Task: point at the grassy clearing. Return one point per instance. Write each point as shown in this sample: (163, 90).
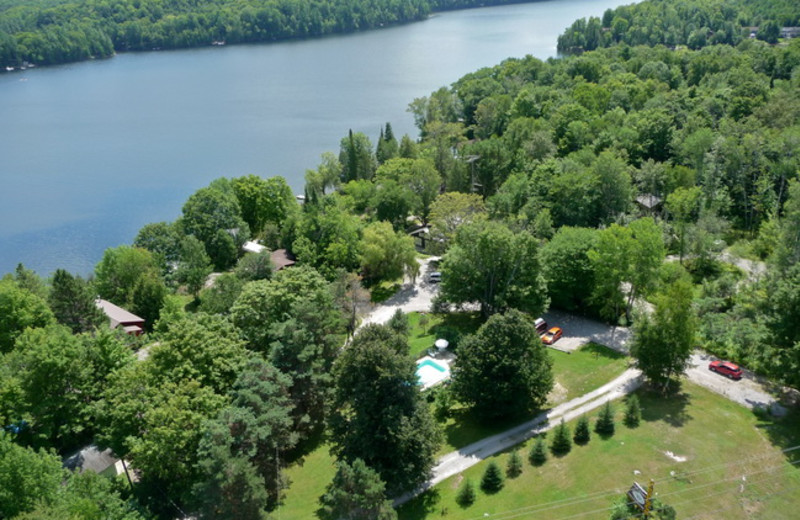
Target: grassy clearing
(584, 370)
(308, 480)
(721, 441)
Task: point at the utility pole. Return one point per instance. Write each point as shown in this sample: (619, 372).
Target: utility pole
(648, 500)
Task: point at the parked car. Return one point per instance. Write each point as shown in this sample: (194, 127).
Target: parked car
(552, 335)
(435, 277)
(541, 326)
(726, 368)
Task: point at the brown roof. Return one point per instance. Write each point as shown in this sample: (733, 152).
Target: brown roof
(280, 259)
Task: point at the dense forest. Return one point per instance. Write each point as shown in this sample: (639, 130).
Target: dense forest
(694, 23)
(626, 176)
(47, 32)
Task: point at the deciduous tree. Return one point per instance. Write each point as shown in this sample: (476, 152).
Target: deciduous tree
(507, 356)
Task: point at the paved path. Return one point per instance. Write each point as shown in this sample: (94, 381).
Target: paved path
(412, 297)
(457, 461)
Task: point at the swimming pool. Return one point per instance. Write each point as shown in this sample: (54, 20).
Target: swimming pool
(431, 372)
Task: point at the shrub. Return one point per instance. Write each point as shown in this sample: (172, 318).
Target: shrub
(605, 421)
(514, 466)
(633, 412)
(492, 480)
(561, 440)
(538, 454)
(466, 494)
(582, 434)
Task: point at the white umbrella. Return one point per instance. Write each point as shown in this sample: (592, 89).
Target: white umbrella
(441, 344)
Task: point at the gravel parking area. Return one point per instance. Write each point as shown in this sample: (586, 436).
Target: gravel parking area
(578, 331)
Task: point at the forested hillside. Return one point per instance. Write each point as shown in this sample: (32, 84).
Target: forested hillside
(46, 32)
(694, 23)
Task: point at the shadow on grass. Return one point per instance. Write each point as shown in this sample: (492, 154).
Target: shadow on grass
(670, 408)
(382, 292)
(600, 351)
(421, 507)
(782, 432)
(468, 427)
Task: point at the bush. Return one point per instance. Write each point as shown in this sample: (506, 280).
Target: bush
(492, 480)
(466, 494)
(605, 421)
(442, 404)
(582, 434)
(514, 466)
(633, 412)
(561, 440)
(538, 454)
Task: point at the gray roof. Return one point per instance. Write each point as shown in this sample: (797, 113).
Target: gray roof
(91, 458)
(118, 315)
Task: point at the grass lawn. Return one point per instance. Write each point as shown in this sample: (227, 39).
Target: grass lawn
(584, 370)
(308, 480)
(721, 442)
(426, 328)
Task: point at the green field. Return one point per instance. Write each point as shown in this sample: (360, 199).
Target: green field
(721, 441)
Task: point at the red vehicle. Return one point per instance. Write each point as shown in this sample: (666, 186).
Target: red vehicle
(726, 369)
(552, 335)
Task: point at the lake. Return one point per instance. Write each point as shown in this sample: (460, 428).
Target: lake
(90, 152)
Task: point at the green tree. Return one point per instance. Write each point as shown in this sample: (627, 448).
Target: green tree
(538, 453)
(255, 266)
(263, 201)
(194, 265)
(569, 271)
(378, 412)
(255, 429)
(514, 466)
(663, 342)
(492, 480)
(582, 434)
(386, 254)
(327, 237)
(605, 421)
(448, 212)
(495, 266)
(507, 356)
(387, 147)
(356, 493)
(84, 496)
(220, 297)
(633, 411)
(163, 240)
(27, 477)
(327, 176)
(466, 494)
(356, 158)
(19, 309)
(683, 204)
(213, 210)
(120, 270)
(72, 300)
(562, 443)
(148, 298)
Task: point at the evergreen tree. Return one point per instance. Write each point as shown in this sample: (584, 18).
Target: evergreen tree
(633, 412)
(514, 466)
(538, 454)
(562, 443)
(466, 494)
(582, 434)
(356, 493)
(492, 480)
(399, 323)
(605, 421)
(72, 302)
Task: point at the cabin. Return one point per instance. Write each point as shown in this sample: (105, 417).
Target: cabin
(119, 317)
(281, 259)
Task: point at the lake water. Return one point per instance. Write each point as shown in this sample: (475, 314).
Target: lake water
(90, 152)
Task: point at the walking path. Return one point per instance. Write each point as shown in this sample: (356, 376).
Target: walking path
(457, 461)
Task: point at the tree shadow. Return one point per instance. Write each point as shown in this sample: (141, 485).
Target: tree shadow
(672, 409)
(422, 506)
(782, 432)
(601, 351)
(467, 427)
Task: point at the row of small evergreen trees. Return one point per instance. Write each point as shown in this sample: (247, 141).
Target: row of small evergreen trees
(561, 444)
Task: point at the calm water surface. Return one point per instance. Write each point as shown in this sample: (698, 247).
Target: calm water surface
(91, 152)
